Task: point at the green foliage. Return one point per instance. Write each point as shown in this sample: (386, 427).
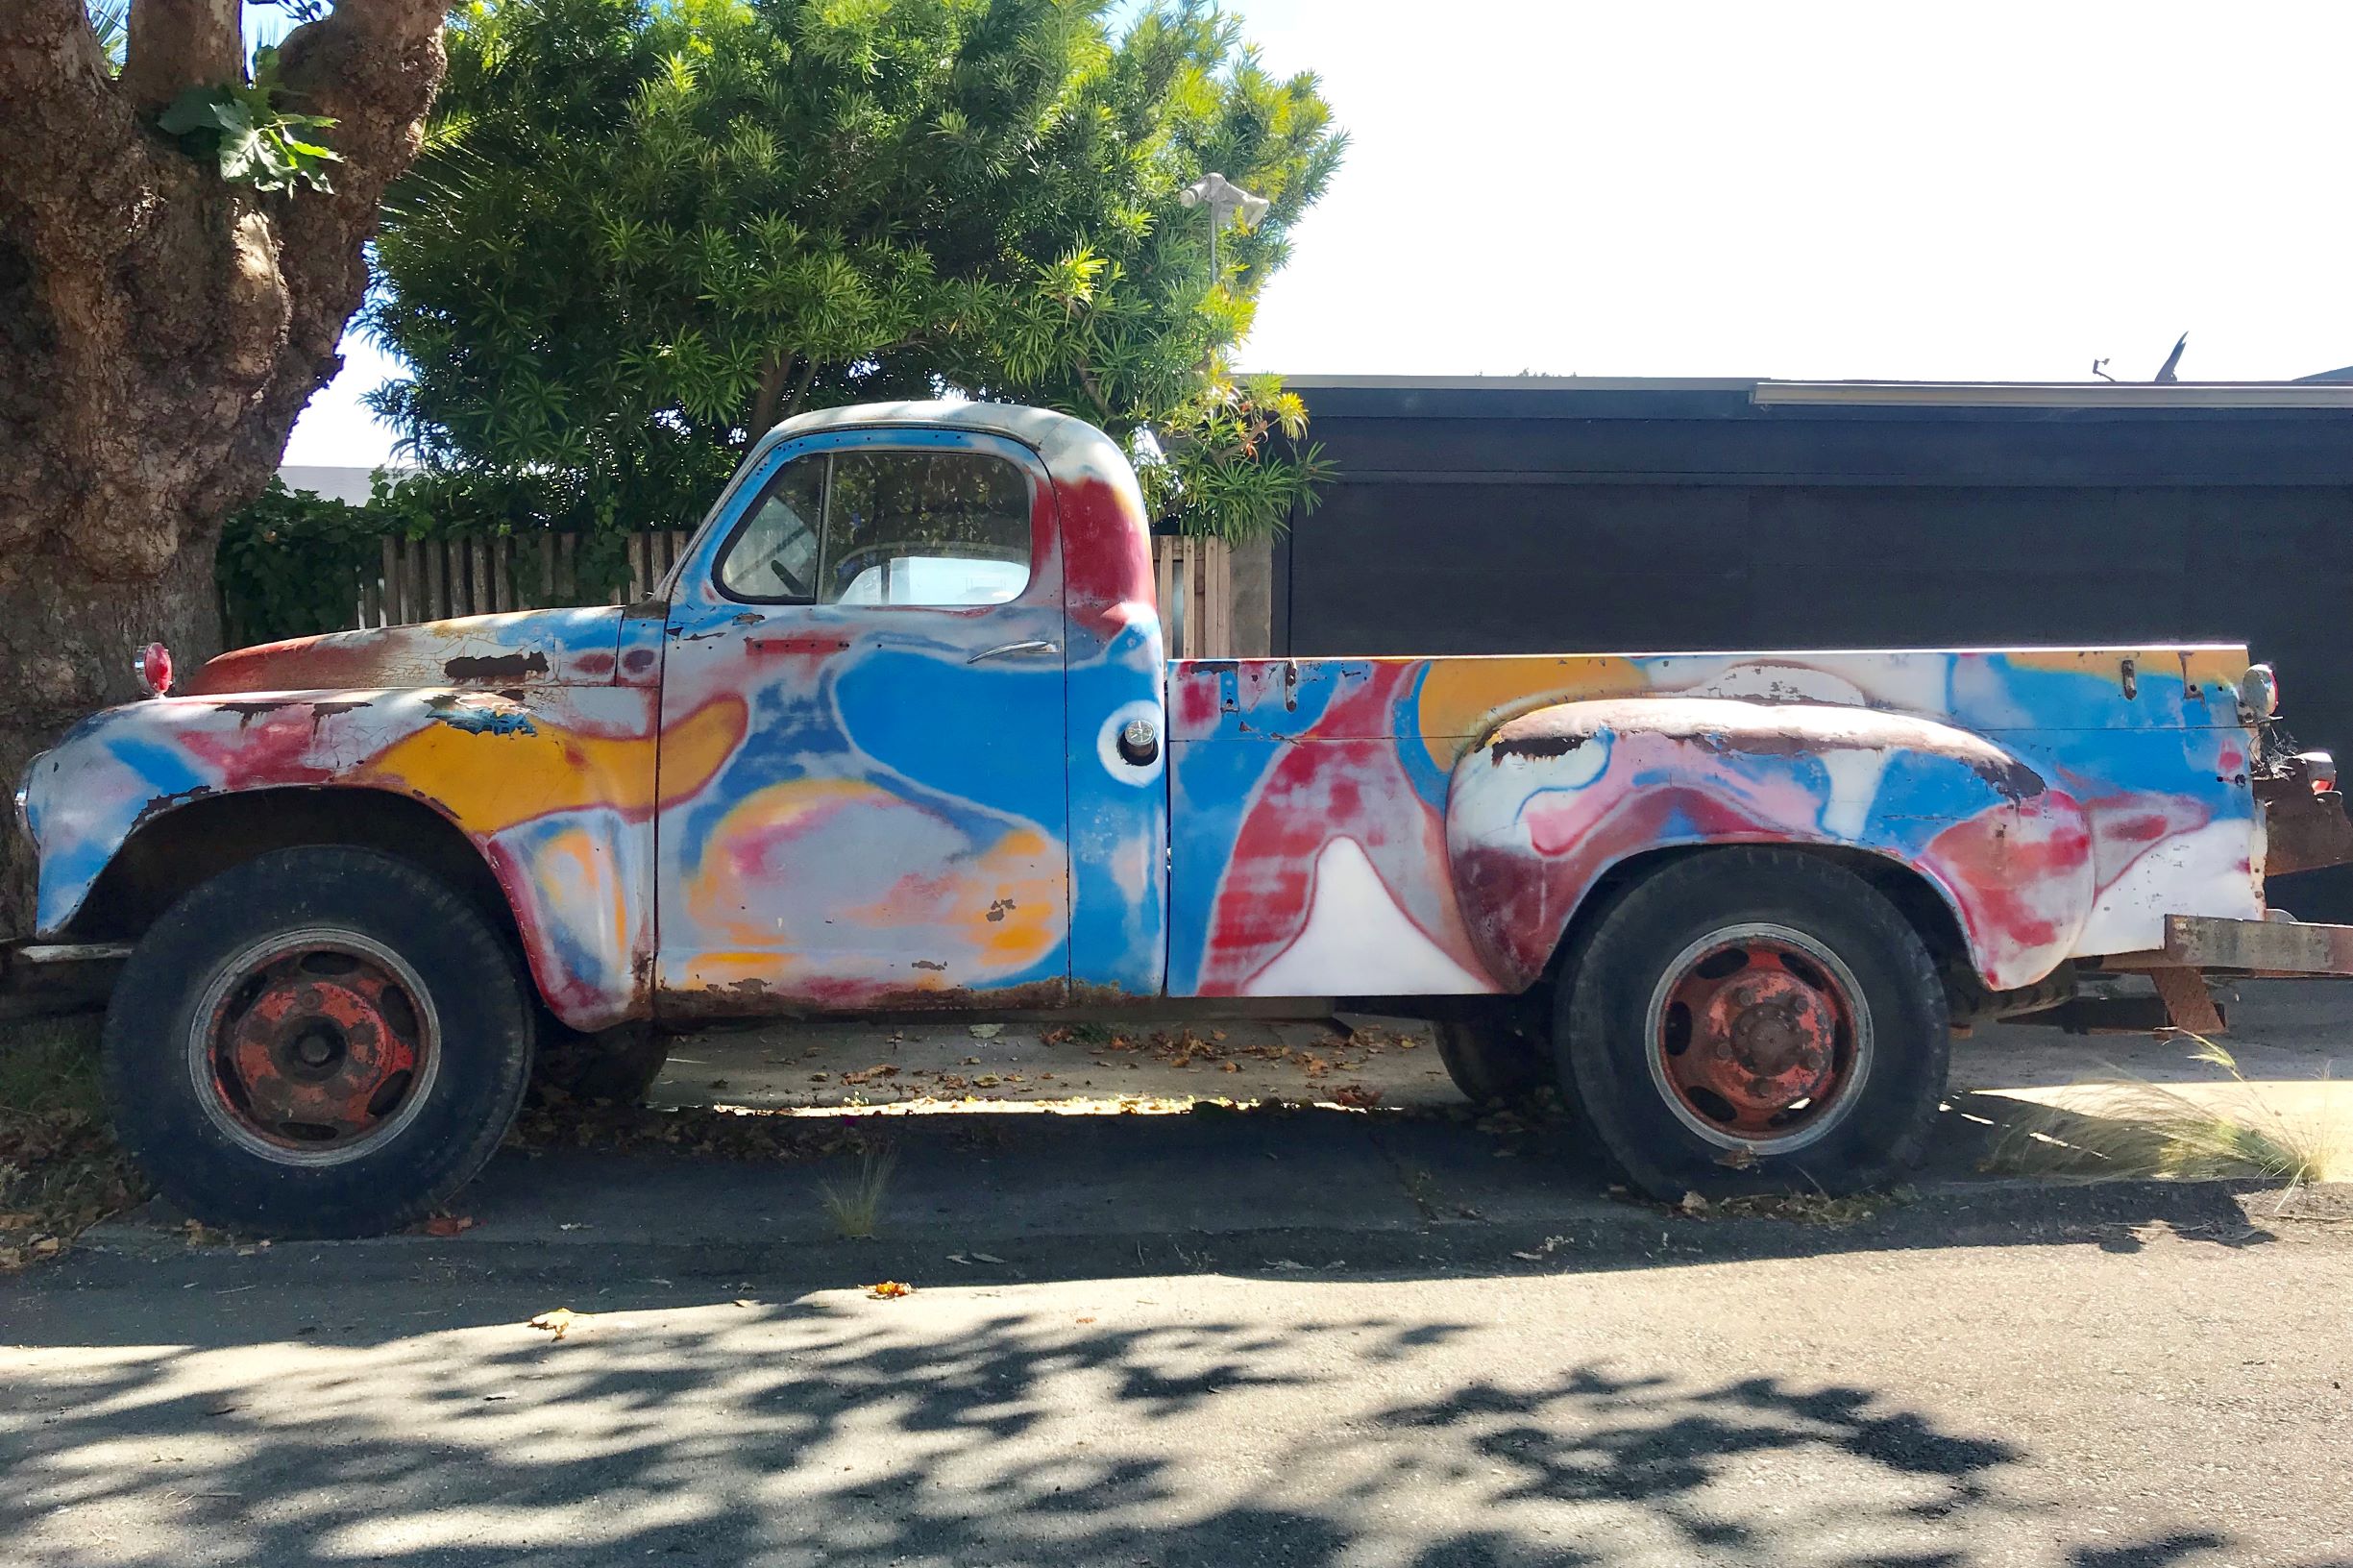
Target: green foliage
(290, 563)
(643, 231)
(287, 563)
(241, 129)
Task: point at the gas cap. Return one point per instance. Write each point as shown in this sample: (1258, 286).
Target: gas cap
(1139, 742)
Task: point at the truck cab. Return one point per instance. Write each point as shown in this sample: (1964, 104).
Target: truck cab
(897, 733)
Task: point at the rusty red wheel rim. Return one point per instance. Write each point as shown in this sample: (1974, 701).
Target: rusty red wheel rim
(1758, 1038)
(314, 1046)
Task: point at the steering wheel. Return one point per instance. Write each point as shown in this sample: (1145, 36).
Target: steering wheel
(791, 582)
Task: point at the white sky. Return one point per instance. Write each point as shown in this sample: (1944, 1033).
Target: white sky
(1904, 189)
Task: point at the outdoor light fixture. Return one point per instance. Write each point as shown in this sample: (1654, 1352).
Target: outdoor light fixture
(1227, 203)
(154, 669)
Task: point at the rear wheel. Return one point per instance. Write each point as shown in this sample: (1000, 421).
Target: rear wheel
(1491, 1058)
(1756, 1019)
(321, 1042)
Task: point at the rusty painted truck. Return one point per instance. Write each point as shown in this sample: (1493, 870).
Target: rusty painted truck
(897, 732)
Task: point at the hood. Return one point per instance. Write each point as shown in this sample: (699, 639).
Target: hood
(526, 648)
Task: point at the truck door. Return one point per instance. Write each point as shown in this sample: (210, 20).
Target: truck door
(864, 800)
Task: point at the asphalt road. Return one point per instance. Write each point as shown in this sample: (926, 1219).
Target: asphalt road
(1317, 1338)
(2143, 1393)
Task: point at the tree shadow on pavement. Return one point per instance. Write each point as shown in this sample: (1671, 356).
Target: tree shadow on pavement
(957, 1430)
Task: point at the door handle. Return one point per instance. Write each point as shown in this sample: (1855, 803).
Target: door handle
(1035, 645)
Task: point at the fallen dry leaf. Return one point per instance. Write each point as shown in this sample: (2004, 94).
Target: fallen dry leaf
(447, 1224)
(1693, 1204)
(1736, 1159)
(889, 1290)
(557, 1321)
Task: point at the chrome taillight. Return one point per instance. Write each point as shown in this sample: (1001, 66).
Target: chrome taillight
(2258, 691)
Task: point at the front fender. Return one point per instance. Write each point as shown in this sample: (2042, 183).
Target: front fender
(553, 787)
(1549, 802)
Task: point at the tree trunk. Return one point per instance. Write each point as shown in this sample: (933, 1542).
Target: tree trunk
(160, 331)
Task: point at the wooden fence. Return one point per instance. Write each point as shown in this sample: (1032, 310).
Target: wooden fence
(432, 580)
(1193, 580)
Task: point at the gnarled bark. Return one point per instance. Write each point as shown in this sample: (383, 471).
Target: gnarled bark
(160, 331)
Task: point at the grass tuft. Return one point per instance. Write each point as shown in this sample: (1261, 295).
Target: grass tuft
(60, 1171)
(2130, 1127)
(856, 1206)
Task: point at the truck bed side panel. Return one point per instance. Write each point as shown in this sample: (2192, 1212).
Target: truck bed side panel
(1311, 795)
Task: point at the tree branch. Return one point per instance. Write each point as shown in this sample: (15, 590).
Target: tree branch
(372, 66)
(800, 387)
(1094, 390)
(771, 389)
(59, 108)
(177, 44)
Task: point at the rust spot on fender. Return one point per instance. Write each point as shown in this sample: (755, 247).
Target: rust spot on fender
(2014, 781)
(157, 805)
(248, 712)
(1533, 746)
(497, 667)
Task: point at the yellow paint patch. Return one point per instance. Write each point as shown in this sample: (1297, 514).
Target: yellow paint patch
(1462, 699)
(490, 782)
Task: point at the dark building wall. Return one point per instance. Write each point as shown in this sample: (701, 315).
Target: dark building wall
(1545, 519)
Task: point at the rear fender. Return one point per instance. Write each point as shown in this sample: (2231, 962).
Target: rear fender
(1542, 809)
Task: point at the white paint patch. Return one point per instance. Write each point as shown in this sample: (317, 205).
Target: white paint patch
(1855, 786)
(1358, 942)
(1487, 802)
(1908, 682)
(2202, 872)
(1107, 742)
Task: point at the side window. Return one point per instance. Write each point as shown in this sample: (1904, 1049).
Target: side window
(920, 527)
(942, 528)
(774, 555)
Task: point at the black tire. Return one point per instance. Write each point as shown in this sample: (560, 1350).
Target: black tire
(616, 1066)
(1784, 909)
(202, 1132)
(1494, 1058)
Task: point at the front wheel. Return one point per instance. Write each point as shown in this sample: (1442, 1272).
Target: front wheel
(320, 1041)
(1756, 1019)
(617, 1066)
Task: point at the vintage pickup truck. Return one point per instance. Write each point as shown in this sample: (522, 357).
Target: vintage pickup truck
(897, 732)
